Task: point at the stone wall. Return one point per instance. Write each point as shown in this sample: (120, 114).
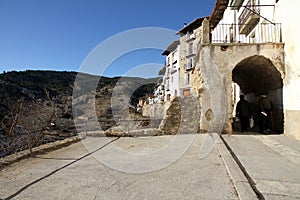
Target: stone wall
(154, 110)
(183, 60)
(179, 116)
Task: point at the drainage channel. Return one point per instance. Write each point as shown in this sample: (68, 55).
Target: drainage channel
(250, 180)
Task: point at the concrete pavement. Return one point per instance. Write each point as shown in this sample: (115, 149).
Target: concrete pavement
(73, 173)
(269, 166)
(272, 162)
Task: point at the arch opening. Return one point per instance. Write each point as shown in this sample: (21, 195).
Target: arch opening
(254, 76)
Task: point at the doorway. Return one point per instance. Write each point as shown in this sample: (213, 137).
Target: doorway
(254, 76)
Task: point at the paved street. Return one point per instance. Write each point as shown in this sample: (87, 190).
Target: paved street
(63, 175)
(272, 161)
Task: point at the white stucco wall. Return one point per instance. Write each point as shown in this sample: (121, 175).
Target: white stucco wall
(287, 12)
(172, 79)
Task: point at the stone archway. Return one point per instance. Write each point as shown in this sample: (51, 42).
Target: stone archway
(256, 75)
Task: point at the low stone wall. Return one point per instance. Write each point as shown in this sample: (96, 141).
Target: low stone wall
(154, 110)
(7, 160)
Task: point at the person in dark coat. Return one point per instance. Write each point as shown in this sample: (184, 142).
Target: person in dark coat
(265, 107)
(243, 112)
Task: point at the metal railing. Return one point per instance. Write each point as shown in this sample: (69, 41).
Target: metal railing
(262, 33)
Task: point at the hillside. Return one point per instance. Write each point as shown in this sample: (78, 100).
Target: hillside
(41, 98)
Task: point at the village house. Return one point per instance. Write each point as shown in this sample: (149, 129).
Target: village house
(190, 38)
(171, 76)
(168, 87)
(159, 92)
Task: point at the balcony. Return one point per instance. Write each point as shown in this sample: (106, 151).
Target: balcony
(189, 37)
(174, 70)
(167, 74)
(189, 66)
(236, 4)
(249, 18)
(167, 88)
(263, 33)
(191, 51)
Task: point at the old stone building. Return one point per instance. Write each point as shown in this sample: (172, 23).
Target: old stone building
(244, 47)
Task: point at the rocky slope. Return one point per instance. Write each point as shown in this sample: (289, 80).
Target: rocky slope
(35, 95)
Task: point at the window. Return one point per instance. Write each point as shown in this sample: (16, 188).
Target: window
(187, 78)
(186, 92)
(167, 85)
(187, 36)
(190, 50)
(173, 57)
(168, 97)
(189, 64)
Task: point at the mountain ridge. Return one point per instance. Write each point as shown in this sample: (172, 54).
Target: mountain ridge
(43, 91)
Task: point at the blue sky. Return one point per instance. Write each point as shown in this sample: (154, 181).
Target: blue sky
(60, 34)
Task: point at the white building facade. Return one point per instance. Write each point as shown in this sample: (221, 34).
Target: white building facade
(171, 77)
(168, 87)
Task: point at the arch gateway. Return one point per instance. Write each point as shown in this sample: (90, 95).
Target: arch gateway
(253, 68)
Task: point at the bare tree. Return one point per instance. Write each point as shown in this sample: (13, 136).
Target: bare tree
(35, 119)
(10, 121)
(25, 124)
